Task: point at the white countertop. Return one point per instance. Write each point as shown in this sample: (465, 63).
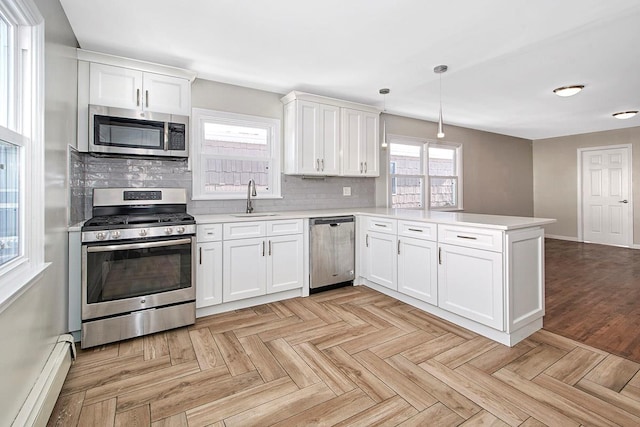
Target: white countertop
(499, 222)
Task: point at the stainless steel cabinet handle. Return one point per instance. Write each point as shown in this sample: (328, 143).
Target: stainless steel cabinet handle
(398, 246)
(367, 240)
(200, 250)
(269, 247)
(365, 167)
(322, 162)
(466, 237)
(439, 255)
(138, 97)
(380, 225)
(317, 164)
(623, 201)
(263, 248)
(360, 167)
(415, 229)
(146, 95)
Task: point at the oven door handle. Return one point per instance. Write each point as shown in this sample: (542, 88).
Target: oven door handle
(124, 247)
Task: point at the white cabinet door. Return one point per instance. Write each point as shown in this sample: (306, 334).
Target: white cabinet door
(369, 144)
(418, 269)
(307, 138)
(351, 133)
(115, 86)
(470, 284)
(209, 274)
(244, 270)
(330, 139)
(122, 87)
(359, 143)
(284, 263)
(166, 94)
(381, 259)
(317, 139)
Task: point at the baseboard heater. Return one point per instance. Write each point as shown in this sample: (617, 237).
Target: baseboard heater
(38, 407)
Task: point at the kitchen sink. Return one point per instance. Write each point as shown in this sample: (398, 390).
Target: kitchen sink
(253, 214)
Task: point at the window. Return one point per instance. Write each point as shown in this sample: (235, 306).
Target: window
(406, 169)
(231, 149)
(444, 175)
(21, 146)
(416, 164)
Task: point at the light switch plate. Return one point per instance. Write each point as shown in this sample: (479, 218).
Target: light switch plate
(346, 191)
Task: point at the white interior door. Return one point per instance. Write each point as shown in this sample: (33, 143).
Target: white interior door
(606, 192)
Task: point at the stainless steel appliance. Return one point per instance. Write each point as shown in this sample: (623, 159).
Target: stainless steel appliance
(122, 131)
(332, 252)
(138, 269)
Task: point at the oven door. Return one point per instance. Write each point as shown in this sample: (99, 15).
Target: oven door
(125, 277)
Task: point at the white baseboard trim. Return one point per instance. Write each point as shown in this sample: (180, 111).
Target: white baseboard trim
(555, 236)
(38, 407)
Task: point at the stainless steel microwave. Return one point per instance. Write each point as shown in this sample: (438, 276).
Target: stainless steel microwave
(143, 133)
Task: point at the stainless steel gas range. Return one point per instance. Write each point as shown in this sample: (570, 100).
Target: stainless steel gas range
(138, 270)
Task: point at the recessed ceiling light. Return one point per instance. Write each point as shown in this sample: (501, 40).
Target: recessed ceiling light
(625, 114)
(568, 90)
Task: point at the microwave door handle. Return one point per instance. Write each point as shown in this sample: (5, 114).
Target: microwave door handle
(166, 136)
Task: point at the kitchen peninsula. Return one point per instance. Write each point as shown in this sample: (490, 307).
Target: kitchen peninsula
(482, 272)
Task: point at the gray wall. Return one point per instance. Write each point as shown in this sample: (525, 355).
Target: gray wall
(555, 174)
(497, 169)
(30, 326)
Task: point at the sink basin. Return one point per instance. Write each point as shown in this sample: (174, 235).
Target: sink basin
(253, 214)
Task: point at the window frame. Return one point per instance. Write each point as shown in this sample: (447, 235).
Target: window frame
(273, 126)
(408, 140)
(425, 144)
(25, 129)
(457, 147)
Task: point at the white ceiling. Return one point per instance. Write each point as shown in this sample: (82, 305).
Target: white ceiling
(505, 56)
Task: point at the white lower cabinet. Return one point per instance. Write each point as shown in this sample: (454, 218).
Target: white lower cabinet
(244, 270)
(418, 269)
(209, 274)
(258, 266)
(381, 260)
(209, 265)
(285, 263)
(470, 284)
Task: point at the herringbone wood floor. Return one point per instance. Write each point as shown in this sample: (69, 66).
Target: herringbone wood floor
(350, 356)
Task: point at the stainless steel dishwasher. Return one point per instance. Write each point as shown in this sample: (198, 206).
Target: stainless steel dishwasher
(332, 252)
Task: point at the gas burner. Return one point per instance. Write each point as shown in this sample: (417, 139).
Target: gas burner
(125, 214)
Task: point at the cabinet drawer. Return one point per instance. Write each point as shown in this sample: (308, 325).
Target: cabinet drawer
(381, 225)
(419, 230)
(471, 237)
(209, 232)
(284, 226)
(244, 230)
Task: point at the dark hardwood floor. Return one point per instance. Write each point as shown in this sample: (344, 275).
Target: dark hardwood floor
(593, 295)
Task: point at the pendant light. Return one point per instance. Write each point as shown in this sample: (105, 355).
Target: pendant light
(384, 92)
(439, 69)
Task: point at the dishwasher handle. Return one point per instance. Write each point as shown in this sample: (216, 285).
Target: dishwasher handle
(332, 221)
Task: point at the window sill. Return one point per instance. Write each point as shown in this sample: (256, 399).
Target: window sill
(16, 285)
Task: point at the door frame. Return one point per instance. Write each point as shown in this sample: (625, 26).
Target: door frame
(580, 152)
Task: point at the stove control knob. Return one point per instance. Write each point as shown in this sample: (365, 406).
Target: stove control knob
(100, 235)
(180, 230)
(142, 232)
(168, 230)
(115, 234)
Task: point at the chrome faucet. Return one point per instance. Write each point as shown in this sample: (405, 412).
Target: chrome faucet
(251, 191)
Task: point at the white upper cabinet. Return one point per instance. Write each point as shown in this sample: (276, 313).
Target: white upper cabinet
(122, 87)
(359, 143)
(329, 137)
(312, 138)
